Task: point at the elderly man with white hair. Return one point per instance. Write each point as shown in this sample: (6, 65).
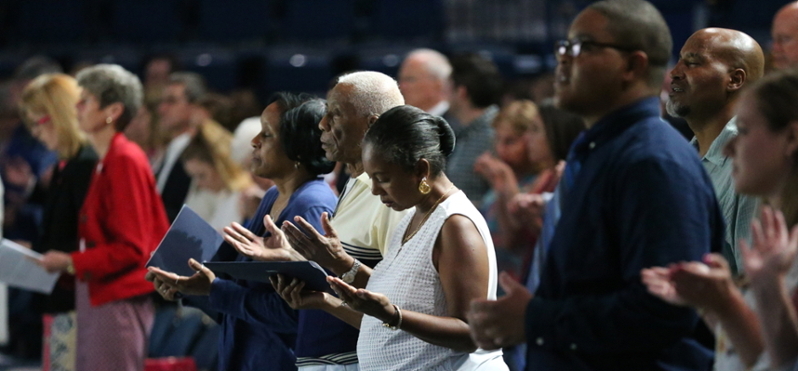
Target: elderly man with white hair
(355, 236)
(424, 81)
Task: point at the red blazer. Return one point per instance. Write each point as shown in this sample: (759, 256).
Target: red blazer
(122, 221)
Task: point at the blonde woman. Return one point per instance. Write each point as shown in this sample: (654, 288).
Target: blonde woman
(217, 179)
(48, 103)
(530, 141)
(119, 225)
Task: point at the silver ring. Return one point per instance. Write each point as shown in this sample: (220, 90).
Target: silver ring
(344, 304)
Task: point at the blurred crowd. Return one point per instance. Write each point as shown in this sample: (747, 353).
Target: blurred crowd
(642, 212)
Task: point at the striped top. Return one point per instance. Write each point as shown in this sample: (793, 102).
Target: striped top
(363, 223)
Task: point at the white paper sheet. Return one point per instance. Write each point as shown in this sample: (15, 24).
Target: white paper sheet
(18, 268)
(3, 315)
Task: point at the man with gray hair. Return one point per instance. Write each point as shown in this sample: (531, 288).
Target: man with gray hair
(424, 81)
(176, 111)
(359, 231)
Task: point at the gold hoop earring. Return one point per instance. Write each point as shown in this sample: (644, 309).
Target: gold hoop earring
(109, 120)
(423, 186)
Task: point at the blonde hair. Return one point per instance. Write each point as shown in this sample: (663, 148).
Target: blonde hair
(56, 95)
(211, 145)
(519, 115)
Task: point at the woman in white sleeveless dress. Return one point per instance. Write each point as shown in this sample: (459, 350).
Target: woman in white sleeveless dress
(440, 257)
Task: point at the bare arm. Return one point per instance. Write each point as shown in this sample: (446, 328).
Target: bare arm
(779, 323)
(767, 263)
(742, 327)
(460, 255)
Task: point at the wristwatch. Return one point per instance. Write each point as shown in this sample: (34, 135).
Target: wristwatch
(349, 276)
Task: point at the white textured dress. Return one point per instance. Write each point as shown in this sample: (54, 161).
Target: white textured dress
(408, 278)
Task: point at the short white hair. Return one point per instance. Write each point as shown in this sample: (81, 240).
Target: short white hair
(241, 149)
(435, 63)
(372, 92)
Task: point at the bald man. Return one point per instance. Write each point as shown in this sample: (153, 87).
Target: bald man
(785, 36)
(714, 65)
(423, 80)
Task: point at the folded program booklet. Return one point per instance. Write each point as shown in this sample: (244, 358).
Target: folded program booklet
(314, 276)
(189, 237)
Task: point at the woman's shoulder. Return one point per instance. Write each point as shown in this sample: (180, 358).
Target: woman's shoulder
(460, 214)
(82, 162)
(314, 193)
(126, 157)
(458, 203)
(123, 149)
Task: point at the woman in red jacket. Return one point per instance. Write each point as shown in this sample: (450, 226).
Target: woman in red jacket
(120, 224)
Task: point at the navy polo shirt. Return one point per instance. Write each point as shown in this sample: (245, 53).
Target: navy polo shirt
(640, 199)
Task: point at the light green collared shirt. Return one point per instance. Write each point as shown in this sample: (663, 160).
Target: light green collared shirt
(737, 209)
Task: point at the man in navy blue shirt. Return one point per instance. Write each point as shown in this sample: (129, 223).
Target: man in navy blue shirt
(633, 195)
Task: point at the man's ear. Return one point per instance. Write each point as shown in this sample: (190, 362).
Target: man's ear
(461, 92)
(737, 79)
(637, 66)
(372, 119)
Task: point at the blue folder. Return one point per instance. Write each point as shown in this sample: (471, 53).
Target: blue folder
(189, 237)
(309, 271)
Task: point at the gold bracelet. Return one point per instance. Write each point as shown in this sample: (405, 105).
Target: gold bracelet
(398, 322)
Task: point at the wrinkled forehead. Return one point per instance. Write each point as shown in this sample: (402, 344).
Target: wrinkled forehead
(341, 97)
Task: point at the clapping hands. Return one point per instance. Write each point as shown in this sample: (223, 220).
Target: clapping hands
(706, 285)
(774, 248)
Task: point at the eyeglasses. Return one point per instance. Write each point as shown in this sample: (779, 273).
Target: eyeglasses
(38, 124)
(45, 119)
(575, 47)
